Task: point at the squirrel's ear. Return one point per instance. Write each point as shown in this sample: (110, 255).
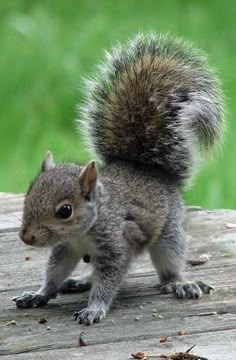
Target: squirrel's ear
(48, 162)
(88, 178)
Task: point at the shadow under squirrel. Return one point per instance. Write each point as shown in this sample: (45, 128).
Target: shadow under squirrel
(150, 112)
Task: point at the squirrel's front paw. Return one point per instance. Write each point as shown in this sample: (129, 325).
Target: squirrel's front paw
(29, 299)
(89, 315)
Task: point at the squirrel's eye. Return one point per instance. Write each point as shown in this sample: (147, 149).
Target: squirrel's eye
(64, 212)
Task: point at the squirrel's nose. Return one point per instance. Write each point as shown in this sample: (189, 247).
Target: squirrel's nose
(26, 237)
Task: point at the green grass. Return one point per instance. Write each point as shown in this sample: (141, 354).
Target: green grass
(47, 46)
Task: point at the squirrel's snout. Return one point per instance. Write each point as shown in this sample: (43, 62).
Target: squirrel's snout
(27, 237)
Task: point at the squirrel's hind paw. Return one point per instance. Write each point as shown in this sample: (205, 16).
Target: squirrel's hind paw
(29, 299)
(73, 285)
(190, 290)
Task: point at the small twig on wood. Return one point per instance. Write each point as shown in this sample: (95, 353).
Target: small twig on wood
(187, 351)
(213, 313)
(81, 341)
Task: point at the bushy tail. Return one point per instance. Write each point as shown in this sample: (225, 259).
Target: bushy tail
(154, 101)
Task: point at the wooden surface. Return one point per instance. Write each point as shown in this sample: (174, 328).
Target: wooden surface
(131, 325)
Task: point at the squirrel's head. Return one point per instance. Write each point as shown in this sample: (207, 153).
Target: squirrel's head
(60, 203)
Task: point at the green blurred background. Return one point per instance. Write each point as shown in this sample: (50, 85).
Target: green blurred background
(47, 46)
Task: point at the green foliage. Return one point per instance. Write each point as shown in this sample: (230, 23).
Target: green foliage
(48, 46)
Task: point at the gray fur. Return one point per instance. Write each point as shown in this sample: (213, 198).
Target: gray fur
(154, 100)
(71, 285)
(134, 204)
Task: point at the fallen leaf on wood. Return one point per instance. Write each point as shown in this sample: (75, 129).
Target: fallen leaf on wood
(230, 225)
(163, 339)
(42, 320)
(202, 260)
(81, 341)
(183, 332)
(27, 258)
(139, 355)
(196, 262)
(12, 322)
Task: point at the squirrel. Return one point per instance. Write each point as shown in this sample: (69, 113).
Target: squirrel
(150, 113)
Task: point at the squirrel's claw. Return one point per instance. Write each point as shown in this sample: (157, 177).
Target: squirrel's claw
(206, 289)
(88, 316)
(29, 299)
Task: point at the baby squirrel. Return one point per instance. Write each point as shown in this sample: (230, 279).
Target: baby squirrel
(150, 112)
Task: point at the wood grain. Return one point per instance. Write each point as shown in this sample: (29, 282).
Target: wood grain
(140, 315)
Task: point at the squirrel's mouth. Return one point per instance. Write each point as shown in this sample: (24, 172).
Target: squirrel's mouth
(27, 236)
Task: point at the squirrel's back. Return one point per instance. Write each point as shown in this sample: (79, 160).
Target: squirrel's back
(154, 101)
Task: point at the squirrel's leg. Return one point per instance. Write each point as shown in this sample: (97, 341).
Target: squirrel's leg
(62, 261)
(168, 256)
(72, 285)
(110, 268)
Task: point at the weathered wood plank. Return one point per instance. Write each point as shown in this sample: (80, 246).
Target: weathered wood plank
(211, 320)
(64, 333)
(206, 344)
